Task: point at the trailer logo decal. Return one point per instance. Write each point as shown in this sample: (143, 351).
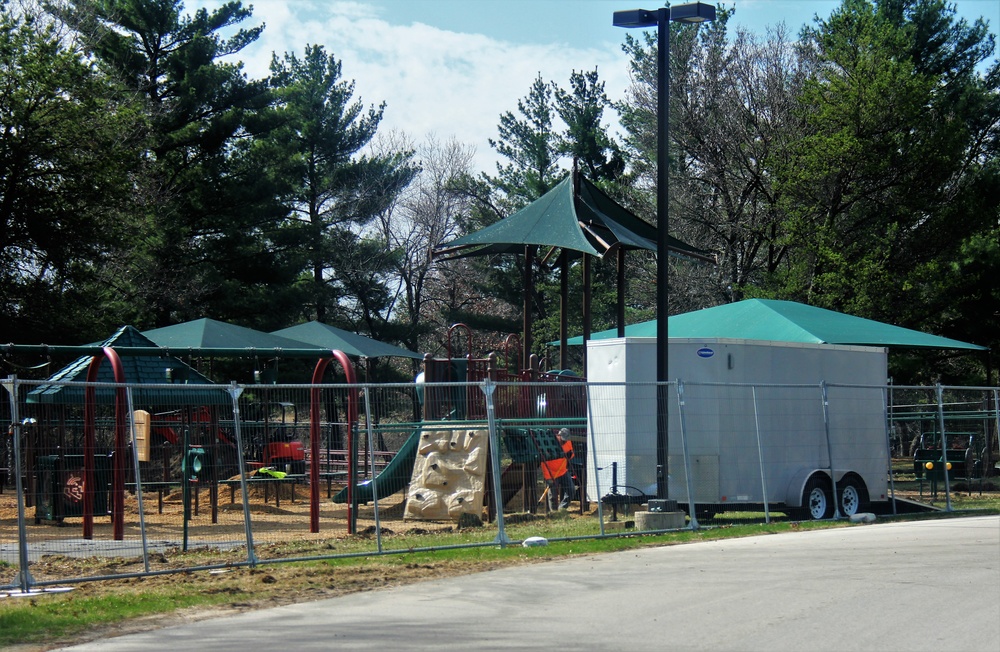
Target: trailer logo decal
(705, 352)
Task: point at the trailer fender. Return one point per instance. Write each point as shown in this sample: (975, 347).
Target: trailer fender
(797, 485)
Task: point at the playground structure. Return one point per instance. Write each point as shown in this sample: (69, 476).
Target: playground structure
(531, 406)
(366, 453)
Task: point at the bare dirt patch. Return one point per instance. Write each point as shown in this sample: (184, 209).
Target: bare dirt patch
(242, 588)
(277, 513)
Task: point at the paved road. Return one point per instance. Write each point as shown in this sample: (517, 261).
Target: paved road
(931, 585)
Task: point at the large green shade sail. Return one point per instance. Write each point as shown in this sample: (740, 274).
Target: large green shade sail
(583, 221)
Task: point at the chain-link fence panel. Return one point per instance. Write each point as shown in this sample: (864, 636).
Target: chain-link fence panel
(265, 472)
(106, 470)
(722, 428)
(544, 487)
(943, 441)
(859, 447)
(622, 442)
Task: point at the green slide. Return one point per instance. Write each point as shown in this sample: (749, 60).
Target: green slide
(393, 477)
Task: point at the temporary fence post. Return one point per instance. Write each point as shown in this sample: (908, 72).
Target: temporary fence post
(489, 387)
(592, 454)
(8, 443)
(989, 440)
(234, 392)
(186, 482)
(138, 479)
(371, 461)
(829, 447)
(760, 456)
(24, 578)
(944, 448)
(684, 451)
(888, 449)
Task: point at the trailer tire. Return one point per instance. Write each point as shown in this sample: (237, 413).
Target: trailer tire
(853, 496)
(817, 501)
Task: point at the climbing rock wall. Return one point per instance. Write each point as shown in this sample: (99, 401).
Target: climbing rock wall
(449, 475)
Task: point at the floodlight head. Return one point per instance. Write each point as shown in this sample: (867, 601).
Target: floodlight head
(634, 18)
(695, 12)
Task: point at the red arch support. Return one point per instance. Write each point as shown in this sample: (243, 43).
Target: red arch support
(90, 444)
(314, 439)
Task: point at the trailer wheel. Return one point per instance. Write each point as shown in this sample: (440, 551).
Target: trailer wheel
(817, 502)
(853, 496)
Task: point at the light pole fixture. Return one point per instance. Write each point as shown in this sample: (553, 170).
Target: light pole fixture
(695, 12)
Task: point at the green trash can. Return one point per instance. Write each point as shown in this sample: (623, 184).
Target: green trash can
(61, 487)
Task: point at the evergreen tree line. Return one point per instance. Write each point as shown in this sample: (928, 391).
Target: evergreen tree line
(146, 181)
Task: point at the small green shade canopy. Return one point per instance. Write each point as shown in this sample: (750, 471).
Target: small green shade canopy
(787, 321)
(216, 335)
(586, 221)
(142, 369)
(329, 337)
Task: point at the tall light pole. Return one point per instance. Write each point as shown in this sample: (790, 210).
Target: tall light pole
(695, 12)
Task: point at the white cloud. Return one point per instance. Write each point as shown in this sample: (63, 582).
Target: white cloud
(432, 80)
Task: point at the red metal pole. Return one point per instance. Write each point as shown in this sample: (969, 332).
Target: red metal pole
(90, 443)
(314, 439)
(121, 446)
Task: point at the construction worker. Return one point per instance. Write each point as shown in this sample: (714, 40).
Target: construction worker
(557, 475)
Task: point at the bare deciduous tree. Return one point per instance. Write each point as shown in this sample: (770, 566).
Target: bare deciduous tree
(426, 215)
(732, 113)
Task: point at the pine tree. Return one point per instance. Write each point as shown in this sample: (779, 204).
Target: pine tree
(335, 189)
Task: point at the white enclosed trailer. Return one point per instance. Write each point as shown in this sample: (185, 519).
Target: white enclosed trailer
(760, 421)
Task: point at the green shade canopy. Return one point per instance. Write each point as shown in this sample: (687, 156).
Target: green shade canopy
(218, 335)
(143, 369)
(329, 337)
(549, 221)
(642, 329)
(578, 219)
(787, 321)
(585, 221)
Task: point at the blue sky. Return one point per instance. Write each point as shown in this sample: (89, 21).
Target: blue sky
(449, 68)
(582, 23)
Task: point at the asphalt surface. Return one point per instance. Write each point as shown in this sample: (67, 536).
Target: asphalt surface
(928, 585)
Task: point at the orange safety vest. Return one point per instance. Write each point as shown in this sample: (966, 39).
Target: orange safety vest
(556, 468)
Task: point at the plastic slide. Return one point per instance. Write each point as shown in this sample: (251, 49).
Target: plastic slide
(512, 480)
(393, 477)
